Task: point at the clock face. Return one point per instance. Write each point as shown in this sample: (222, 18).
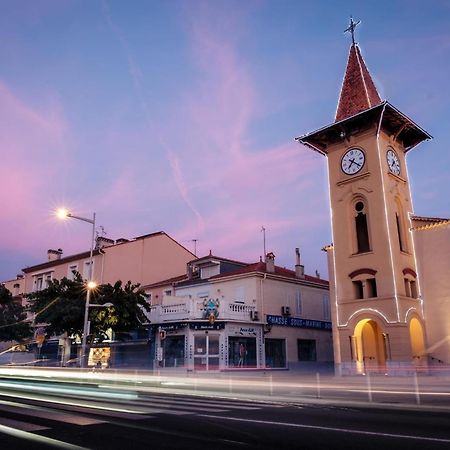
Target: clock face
(353, 161)
(393, 162)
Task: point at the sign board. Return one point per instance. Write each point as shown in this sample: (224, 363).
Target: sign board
(206, 326)
(159, 354)
(297, 322)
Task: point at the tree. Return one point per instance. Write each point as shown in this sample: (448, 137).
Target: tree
(127, 313)
(13, 325)
(61, 305)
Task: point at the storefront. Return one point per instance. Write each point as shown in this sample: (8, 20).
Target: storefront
(204, 346)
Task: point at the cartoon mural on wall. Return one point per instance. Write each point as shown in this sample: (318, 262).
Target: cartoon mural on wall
(211, 309)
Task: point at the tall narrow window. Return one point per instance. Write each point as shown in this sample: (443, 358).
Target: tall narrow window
(399, 232)
(372, 287)
(358, 289)
(362, 232)
(414, 293)
(298, 303)
(326, 307)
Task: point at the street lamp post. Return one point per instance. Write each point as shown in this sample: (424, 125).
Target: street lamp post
(63, 213)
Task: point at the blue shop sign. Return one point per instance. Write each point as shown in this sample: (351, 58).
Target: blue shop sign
(298, 323)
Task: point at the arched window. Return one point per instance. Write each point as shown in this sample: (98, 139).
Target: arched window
(361, 227)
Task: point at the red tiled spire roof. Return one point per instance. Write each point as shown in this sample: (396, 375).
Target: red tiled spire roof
(358, 90)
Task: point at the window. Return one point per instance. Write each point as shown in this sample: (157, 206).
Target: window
(306, 350)
(371, 287)
(399, 233)
(241, 352)
(71, 271)
(326, 307)
(400, 224)
(362, 232)
(168, 292)
(298, 303)
(364, 283)
(275, 353)
(173, 351)
(239, 294)
(39, 282)
(410, 288)
(48, 278)
(87, 271)
(407, 287)
(358, 289)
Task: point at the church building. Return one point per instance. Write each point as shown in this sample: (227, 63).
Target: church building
(389, 296)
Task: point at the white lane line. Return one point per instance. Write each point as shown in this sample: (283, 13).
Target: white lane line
(36, 438)
(54, 416)
(24, 426)
(187, 403)
(339, 430)
(72, 403)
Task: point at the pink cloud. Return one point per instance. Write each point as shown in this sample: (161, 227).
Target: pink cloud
(33, 162)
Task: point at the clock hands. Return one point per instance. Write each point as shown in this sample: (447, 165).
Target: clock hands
(352, 161)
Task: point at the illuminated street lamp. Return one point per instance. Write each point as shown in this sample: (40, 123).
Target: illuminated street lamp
(63, 213)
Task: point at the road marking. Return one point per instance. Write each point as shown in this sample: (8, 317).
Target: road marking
(24, 426)
(43, 413)
(339, 430)
(39, 439)
(182, 403)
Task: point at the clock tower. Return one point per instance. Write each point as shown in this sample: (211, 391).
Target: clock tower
(378, 322)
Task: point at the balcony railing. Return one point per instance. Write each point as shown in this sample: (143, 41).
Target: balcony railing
(193, 309)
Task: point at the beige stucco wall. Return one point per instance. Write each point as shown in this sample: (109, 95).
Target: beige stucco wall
(146, 260)
(433, 252)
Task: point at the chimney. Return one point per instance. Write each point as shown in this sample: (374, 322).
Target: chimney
(317, 274)
(189, 271)
(270, 262)
(103, 241)
(53, 255)
(299, 269)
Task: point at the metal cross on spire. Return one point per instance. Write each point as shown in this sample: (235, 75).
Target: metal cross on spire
(351, 28)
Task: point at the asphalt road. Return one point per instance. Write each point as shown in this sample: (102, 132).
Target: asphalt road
(36, 415)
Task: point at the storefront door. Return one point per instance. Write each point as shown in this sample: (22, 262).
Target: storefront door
(206, 352)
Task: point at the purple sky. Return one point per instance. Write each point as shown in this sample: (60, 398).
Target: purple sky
(181, 116)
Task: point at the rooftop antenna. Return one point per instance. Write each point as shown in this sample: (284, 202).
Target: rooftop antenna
(351, 28)
(263, 230)
(100, 231)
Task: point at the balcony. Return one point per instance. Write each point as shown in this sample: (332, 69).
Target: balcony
(186, 308)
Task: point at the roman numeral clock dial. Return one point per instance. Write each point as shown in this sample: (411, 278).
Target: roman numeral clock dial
(352, 161)
(393, 162)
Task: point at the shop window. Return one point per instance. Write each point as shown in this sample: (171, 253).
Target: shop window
(173, 351)
(358, 289)
(306, 350)
(275, 353)
(362, 231)
(241, 352)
